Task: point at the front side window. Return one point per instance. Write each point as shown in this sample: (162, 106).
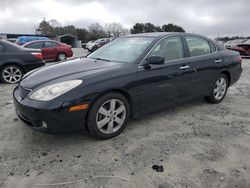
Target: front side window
(36, 45)
(170, 48)
(50, 44)
(198, 46)
(123, 50)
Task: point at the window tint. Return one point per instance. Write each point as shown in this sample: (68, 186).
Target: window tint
(198, 46)
(48, 44)
(36, 45)
(170, 48)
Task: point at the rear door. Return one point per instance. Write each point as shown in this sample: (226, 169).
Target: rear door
(1, 51)
(205, 60)
(168, 83)
(49, 50)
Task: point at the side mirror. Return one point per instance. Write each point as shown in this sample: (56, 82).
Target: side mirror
(155, 60)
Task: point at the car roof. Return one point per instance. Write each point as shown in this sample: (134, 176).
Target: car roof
(35, 41)
(11, 45)
(155, 34)
(158, 35)
(163, 34)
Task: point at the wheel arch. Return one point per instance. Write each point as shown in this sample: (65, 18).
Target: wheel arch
(117, 90)
(227, 73)
(12, 63)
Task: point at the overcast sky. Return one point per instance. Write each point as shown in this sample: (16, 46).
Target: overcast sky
(207, 17)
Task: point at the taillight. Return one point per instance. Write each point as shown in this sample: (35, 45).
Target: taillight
(239, 59)
(37, 55)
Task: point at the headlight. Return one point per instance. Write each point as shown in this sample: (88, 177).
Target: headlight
(52, 91)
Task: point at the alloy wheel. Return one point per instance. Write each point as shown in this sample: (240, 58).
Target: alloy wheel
(11, 74)
(220, 88)
(62, 57)
(111, 116)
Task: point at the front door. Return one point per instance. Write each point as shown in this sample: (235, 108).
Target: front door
(164, 84)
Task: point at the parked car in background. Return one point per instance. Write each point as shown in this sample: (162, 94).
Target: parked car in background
(24, 39)
(13, 40)
(100, 43)
(129, 77)
(51, 50)
(15, 61)
(231, 44)
(84, 45)
(243, 48)
(228, 44)
(90, 45)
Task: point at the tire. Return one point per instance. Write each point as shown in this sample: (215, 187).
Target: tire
(94, 48)
(105, 121)
(219, 90)
(11, 74)
(61, 57)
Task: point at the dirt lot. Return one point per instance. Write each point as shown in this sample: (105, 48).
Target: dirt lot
(198, 145)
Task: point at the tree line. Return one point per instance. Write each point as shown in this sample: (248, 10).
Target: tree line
(227, 38)
(95, 30)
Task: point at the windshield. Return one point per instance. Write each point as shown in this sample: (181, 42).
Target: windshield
(124, 50)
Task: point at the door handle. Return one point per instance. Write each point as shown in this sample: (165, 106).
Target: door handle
(184, 67)
(218, 61)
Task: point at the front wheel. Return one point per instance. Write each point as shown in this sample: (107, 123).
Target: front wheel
(219, 89)
(108, 116)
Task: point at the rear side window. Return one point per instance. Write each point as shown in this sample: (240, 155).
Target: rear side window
(198, 46)
(36, 45)
(48, 44)
(170, 48)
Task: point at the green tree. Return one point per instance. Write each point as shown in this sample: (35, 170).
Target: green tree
(83, 35)
(137, 28)
(96, 31)
(172, 28)
(45, 28)
(149, 27)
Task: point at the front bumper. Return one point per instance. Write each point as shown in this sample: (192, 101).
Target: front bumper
(53, 120)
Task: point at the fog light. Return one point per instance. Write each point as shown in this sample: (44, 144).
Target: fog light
(44, 124)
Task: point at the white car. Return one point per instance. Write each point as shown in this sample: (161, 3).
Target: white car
(90, 45)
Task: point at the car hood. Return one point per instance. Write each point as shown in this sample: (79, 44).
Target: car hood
(74, 69)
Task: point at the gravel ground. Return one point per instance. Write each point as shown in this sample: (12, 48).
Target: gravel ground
(198, 145)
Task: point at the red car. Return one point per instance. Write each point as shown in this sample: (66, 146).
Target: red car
(51, 50)
(243, 48)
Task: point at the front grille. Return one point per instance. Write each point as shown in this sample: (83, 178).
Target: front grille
(24, 91)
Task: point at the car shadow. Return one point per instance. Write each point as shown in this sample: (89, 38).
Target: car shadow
(84, 137)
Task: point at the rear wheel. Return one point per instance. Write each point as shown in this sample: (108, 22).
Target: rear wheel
(219, 89)
(11, 74)
(108, 116)
(61, 57)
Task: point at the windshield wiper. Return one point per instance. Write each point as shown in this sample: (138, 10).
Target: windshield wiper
(101, 59)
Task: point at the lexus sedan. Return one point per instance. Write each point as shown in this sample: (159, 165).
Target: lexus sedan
(51, 50)
(15, 61)
(127, 78)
